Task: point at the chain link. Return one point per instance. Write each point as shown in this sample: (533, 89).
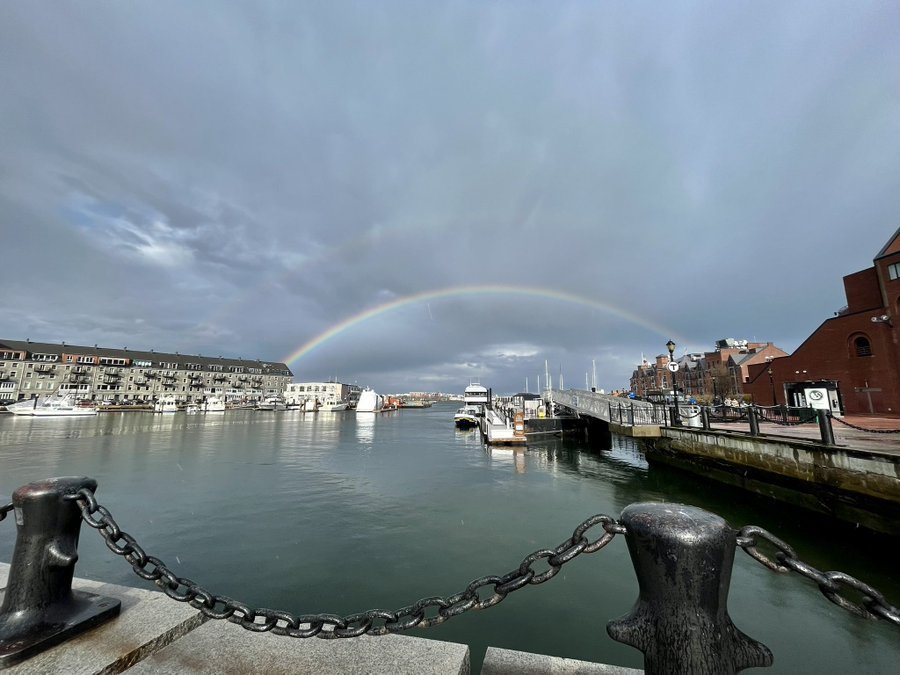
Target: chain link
(858, 428)
(871, 605)
(479, 594)
(6, 508)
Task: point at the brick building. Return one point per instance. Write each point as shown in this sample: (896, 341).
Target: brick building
(850, 363)
(705, 376)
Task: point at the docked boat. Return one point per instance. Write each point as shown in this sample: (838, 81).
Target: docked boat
(467, 416)
(272, 403)
(167, 404)
(192, 409)
(53, 406)
(369, 401)
(475, 398)
(213, 404)
(333, 405)
(415, 403)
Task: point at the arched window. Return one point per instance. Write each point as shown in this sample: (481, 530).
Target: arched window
(862, 346)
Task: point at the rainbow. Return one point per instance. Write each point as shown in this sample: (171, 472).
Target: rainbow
(455, 291)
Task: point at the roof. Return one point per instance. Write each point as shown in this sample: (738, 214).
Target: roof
(892, 246)
(63, 348)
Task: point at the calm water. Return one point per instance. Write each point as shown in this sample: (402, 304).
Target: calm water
(340, 513)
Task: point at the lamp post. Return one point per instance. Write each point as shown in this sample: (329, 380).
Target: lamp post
(673, 368)
(772, 384)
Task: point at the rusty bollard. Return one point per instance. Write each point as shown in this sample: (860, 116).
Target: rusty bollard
(683, 556)
(39, 609)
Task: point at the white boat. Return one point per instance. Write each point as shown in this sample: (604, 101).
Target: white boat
(192, 409)
(476, 394)
(467, 416)
(53, 406)
(333, 405)
(272, 403)
(167, 404)
(310, 405)
(475, 398)
(213, 404)
(369, 401)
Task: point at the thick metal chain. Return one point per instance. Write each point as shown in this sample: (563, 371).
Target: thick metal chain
(6, 508)
(858, 428)
(329, 626)
(872, 604)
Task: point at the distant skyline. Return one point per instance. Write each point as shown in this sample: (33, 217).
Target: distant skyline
(413, 195)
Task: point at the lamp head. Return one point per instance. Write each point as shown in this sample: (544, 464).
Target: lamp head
(671, 347)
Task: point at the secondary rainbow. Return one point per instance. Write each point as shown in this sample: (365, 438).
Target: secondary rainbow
(453, 291)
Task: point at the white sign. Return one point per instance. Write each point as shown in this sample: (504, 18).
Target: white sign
(673, 366)
(817, 398)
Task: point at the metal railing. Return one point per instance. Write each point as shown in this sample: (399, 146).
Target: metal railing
(679, 622)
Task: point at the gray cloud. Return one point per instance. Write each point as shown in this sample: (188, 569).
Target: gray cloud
(245, 179)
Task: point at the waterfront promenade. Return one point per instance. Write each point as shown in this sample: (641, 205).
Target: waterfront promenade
(883, 437)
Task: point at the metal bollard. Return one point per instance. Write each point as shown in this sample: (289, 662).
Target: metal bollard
(704, 417)
(39, 608)
(825, 429)
(754, 422)
(683, 556)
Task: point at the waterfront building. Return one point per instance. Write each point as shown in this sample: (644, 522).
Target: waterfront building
(31, 369)
(851, 362)
(300, 393)
(709, 376)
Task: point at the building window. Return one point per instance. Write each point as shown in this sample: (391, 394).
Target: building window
(863, 346)
(894, 271)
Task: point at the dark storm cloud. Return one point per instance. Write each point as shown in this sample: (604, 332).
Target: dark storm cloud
(241, 179)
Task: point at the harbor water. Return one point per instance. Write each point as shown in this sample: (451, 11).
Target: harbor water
(340, 513)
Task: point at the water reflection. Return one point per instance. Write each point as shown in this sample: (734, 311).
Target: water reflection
(424, 509)
(365, 427)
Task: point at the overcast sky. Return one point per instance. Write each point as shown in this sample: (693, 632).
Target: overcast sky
(413, 195)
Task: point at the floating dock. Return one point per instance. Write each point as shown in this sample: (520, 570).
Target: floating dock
(497, 431)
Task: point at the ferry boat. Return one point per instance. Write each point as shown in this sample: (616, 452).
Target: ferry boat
(369, 401)
(54, 406)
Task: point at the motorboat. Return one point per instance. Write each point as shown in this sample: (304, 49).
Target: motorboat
(192, 409)
(213, 404)
(167, 404)
(475, 398)
(272, 403)
(53, 406)
(333, 405)
(467, 416)
(369, 401)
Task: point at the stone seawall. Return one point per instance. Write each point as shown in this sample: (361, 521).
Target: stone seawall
(857, 486)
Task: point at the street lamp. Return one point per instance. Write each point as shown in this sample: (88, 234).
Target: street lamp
(772, 384)
(673, 368)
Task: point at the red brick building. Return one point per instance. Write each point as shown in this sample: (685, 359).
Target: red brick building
(850, 363)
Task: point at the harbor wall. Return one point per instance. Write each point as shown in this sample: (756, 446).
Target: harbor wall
(856, 486)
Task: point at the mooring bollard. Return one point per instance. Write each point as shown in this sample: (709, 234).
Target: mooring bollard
(683, 556)
(754, 420)
(825, 429)
(39, 608)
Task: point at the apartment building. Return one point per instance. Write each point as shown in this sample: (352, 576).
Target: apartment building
(31, 369)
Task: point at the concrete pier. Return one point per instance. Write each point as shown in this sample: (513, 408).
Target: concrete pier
(155, 635)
